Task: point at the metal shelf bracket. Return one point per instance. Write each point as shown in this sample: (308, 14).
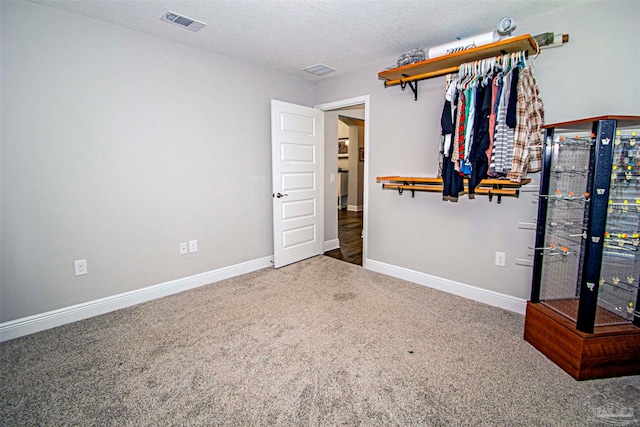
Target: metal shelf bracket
(413, 85)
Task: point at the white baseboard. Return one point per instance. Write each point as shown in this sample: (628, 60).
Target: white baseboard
(330, 245)
(354, 208)
(51, 319)
(493, 298)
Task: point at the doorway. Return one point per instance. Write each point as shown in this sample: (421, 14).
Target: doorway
(331, 165)
(325, 154)
(349, 183)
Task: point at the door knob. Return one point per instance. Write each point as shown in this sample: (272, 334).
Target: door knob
(281, 195)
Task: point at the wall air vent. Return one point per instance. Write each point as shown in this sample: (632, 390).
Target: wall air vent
(182, 21)
(319, 69)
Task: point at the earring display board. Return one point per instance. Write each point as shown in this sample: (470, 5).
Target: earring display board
(583, 311)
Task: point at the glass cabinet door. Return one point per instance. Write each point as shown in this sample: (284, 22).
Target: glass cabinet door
(620, 268)
(566, 221)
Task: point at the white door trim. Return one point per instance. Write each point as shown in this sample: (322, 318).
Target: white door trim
(365, 99)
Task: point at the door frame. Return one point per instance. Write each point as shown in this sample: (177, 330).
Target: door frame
(365, 99)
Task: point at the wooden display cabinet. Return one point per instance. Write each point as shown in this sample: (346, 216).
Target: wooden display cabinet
(583, 311)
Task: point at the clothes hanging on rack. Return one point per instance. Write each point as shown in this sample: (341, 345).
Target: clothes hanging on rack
(477, 155)
(492, 116)
(527, 137)
(453, 184)
(491, 123)
(470, 113)
(503, 134)
(513, 98)
(458, 140)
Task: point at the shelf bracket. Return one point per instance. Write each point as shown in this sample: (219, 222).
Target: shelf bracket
(413, 85)
(413, 191)
(498, 196)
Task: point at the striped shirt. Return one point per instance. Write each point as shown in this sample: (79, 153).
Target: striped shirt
(503, 135)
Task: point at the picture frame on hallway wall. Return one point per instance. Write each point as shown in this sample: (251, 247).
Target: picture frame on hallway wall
(343, 147)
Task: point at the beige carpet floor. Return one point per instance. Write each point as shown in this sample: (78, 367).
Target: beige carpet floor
(320, 342)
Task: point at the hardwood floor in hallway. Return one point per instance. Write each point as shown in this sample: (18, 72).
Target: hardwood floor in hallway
(350, 236)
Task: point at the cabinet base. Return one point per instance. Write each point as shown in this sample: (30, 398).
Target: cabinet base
(611, 351)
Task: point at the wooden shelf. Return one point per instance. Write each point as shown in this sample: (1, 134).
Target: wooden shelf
(450, 63)
(488, 187)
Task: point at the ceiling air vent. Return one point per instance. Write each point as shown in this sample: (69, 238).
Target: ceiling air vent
(319, 69)
(182, 21)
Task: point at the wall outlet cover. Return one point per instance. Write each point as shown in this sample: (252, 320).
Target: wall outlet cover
(80, 267)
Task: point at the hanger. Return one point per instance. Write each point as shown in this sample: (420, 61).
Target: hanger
(467, 74)
(482, 70)
(506, 63)
(489, 70)
(533, 62)
(523, 58)
(474, 73)
(498, 64)
(462, 70)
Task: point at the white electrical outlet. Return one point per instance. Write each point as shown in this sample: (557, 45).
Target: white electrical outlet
(193, 246)
(183, 248)
(80, 267)
(501, 259)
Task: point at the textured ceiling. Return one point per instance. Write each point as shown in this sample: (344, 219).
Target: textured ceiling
(289, 35)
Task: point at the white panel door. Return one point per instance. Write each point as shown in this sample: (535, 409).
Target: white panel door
(297, 147)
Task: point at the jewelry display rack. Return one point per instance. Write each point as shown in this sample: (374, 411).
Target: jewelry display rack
(583, 311)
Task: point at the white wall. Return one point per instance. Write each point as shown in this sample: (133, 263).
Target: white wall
(596, 73)
(343, 129)
(116, 146)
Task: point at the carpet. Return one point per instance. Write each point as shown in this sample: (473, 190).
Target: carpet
(320, 342)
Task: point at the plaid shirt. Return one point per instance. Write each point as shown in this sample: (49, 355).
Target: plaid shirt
(527, 137)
